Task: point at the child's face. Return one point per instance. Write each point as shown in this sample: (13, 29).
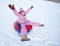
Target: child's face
(23, 13)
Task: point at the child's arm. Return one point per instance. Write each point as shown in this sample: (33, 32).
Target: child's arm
(29, 9)
(13, 9)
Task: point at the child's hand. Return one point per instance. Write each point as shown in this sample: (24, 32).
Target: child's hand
(31, 7)
(41, 25)
(11, 7)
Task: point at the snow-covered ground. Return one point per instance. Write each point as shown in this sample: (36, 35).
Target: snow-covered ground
(43, 12)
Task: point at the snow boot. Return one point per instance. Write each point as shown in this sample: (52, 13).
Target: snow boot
(24, 38)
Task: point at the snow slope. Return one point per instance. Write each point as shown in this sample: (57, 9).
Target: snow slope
(43, 12)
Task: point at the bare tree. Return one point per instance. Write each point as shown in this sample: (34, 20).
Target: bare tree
(57, 1)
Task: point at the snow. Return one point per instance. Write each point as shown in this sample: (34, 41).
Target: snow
(43, 12)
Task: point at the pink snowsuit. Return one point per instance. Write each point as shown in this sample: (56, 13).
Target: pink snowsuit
(23, 21)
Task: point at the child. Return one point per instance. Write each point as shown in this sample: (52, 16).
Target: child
(23, 21)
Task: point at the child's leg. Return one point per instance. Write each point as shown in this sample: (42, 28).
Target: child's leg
(32, 23)
(24, 33)
(23, 29)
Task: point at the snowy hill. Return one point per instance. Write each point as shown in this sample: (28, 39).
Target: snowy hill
(43, 12)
